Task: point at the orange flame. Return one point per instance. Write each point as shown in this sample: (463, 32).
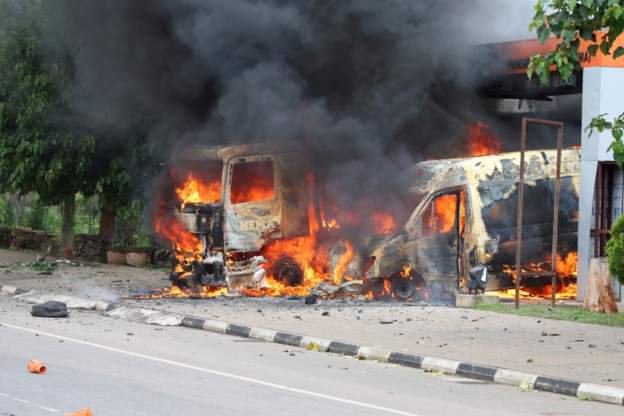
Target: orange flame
(383, 223)
(195, 191)
(566, 272)
(176, 292)
(330, 224)
(343, 262)
(406, 271)
(255, 192)
(482, 141)
(445, 207)
(304, 250)
(310, 252)
(175, 232)
(252, 182)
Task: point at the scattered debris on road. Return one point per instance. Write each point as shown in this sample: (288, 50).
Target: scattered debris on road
(82, 412)
(36, 367)
(50, 309)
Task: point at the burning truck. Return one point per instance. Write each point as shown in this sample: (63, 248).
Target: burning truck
(254, 219)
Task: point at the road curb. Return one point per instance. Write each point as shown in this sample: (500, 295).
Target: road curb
(527, 381)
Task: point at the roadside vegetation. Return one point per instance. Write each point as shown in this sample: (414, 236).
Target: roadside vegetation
(57, 167)
(560, 313)
(27, 211)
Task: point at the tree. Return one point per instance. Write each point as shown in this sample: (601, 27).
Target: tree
(42, 147)
(615, 249)
(570, 21)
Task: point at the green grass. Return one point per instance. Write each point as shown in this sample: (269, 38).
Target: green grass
(559, 312)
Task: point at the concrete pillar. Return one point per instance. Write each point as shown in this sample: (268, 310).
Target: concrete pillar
(586, 223)
(603, 89)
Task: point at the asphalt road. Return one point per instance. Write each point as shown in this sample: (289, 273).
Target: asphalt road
(122, 368)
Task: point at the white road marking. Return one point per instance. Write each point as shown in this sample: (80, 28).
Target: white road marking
(216, 372)
(17, 399)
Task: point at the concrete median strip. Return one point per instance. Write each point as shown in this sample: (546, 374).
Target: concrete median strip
(584, 391)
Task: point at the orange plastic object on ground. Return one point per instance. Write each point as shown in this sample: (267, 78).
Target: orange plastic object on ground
(36, 367)
(82, 412)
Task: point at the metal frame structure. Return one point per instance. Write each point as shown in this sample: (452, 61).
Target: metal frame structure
(603, 207)
(553, 272)
(603, 212)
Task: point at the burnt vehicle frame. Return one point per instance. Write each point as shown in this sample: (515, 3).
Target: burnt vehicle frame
(233, 230)
(482, 239)
(414, 262)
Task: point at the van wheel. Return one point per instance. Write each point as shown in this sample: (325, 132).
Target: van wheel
(402, 288)
(410, 287)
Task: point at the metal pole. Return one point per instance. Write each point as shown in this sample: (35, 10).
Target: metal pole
(520, 212)
(555, 237)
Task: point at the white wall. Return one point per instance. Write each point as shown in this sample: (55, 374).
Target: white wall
(603, 92)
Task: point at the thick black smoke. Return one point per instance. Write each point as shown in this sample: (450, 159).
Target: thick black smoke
(370, 86)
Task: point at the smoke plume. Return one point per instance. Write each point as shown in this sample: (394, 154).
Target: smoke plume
(369, 86)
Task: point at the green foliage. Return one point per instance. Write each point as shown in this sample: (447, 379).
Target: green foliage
(129, 233)
(52, 220)
(570, 21)
(87, 215)
(615, 250)
(33, 217)
(41, 149)
(600, 124)
(562, 313)
(44, 267)
(45, 148)
(48, 218)
(7, 212)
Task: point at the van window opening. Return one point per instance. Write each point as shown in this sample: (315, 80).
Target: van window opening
(501, 199)
(440, 216)
(252, 181)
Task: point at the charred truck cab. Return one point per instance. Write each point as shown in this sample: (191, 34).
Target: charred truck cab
(259, 195)
(465, 221)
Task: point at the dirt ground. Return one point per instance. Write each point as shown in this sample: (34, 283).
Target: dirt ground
(563, 349)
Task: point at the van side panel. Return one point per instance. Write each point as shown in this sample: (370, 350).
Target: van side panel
(499, 215)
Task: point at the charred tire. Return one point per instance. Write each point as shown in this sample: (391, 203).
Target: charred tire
(176, 280)
(403, 288)
(287, 270)
(410, 287)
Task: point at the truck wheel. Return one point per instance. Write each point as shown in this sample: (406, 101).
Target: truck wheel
(287, 270)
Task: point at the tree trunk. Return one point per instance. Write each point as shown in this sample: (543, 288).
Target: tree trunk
(89, 215)
(599, 296)
(19, 207)
(68, 216)
(107, 220)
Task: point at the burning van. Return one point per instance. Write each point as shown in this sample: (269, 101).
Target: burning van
(255, 219)
(466, 219)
